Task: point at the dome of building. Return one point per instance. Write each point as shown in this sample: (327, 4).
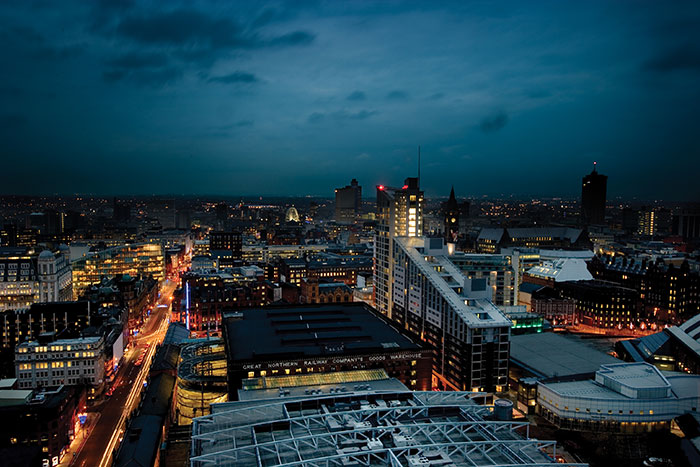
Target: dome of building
(292, 215)
(46, 254)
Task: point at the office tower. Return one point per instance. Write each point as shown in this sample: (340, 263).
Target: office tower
(647, 221)
(347, 202)
(593, 194)
(399, 214)
(451, 212)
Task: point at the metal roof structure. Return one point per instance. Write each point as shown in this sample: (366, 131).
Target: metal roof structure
(394, 428)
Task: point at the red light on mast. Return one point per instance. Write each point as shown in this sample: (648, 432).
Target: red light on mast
(380, 187)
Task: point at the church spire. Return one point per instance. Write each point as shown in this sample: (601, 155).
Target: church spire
(452, 202)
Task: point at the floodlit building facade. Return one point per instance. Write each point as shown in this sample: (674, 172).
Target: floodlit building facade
(135, 259)
(26, 279)
(62, 362)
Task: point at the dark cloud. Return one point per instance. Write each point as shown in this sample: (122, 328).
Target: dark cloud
(235, 77)
(361, 115)
(195, 36)
(155, 78)
(316, 117)
(32, 44)
(144, 68)
(342, 115)
(134, 60)
(397, 95)
(105, 12)
(679, 58)
(356, 96)
(493, 123)
(291, 39)
(111, 76)
(182, 28)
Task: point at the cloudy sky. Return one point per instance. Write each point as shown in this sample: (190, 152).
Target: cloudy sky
(216, 97)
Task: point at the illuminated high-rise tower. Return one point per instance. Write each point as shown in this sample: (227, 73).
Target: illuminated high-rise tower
(399, 214)
(593, 193)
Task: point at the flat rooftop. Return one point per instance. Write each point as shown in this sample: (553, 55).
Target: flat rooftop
(635, 375)
(547, 355)
(291, 332)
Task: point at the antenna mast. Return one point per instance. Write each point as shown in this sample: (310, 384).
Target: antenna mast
(418, 166)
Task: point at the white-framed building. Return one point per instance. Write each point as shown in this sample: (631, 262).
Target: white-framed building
(623, 397)
(434, 300)
(62, 362)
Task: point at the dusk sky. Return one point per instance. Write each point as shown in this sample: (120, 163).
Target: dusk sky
(230, 98)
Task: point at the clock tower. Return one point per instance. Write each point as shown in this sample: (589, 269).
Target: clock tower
(451, 213)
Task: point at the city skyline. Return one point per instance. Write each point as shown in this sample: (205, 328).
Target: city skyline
(295, 99)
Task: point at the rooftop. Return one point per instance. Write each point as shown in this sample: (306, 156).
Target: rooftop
(561, 270)
(628, 382)
(290, 332)
(535, 353)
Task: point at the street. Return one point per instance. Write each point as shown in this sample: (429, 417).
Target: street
(106, 435)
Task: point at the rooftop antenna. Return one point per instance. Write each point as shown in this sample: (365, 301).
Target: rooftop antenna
(418, 166)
